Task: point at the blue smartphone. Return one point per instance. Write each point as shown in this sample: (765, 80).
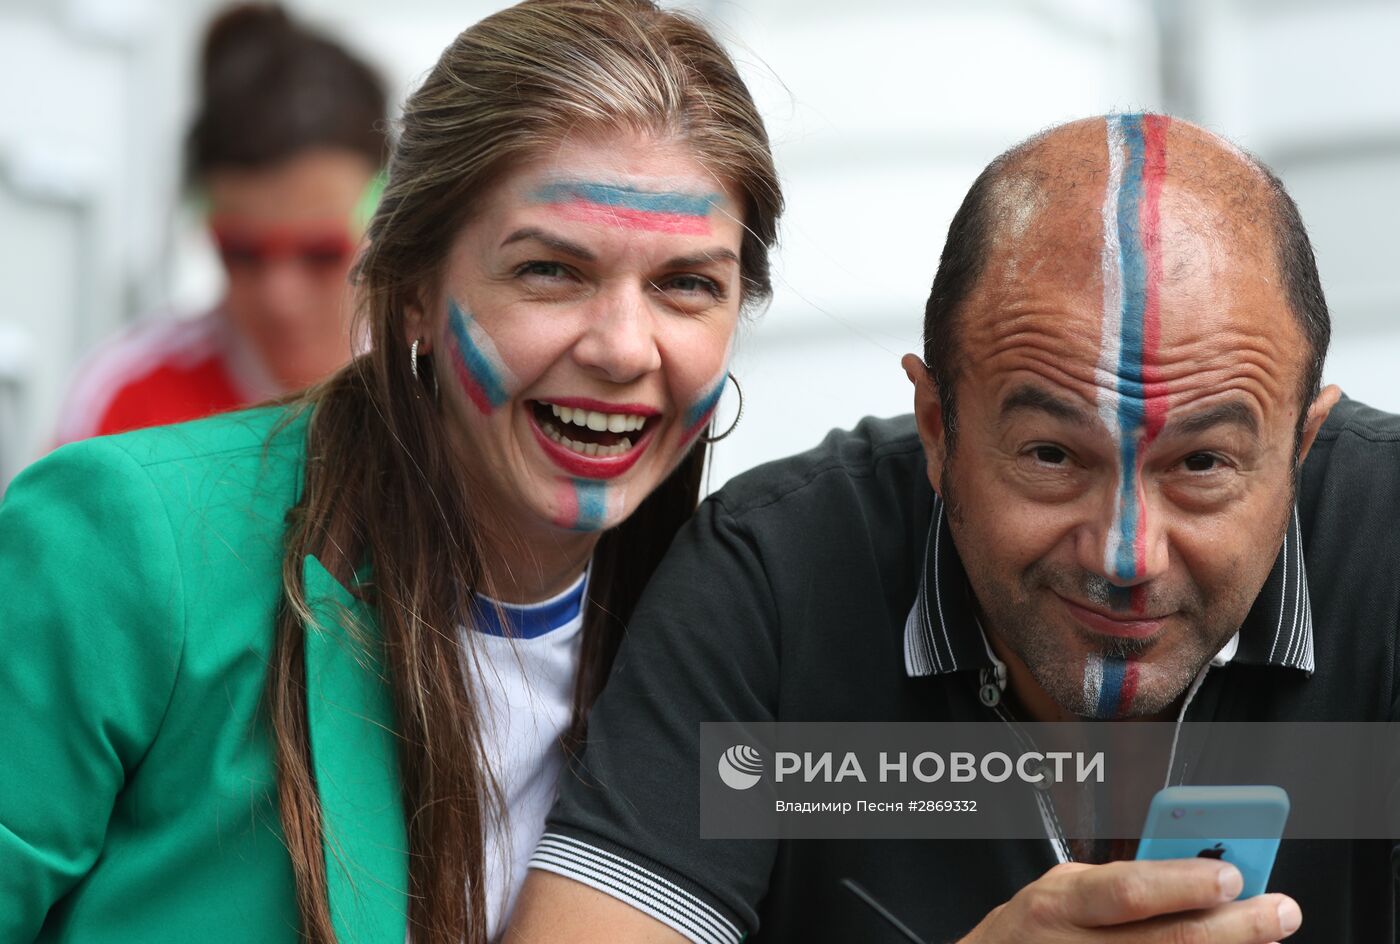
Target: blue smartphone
(1239, 825)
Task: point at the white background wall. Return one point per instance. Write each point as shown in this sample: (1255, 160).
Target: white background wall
(881, 113)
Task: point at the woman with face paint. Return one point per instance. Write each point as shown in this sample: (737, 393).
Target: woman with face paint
(308, 672)
(284, 153)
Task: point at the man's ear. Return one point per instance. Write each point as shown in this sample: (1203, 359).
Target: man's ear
(1317, 415)
(928, 414)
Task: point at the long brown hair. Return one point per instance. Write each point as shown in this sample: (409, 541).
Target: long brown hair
(384, 487)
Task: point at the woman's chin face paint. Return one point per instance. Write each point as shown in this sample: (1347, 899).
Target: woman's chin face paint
(590, 505)
(485, 378)
(1132, 397)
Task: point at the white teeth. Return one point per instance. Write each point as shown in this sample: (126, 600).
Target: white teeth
(589, 449)
(598, 422)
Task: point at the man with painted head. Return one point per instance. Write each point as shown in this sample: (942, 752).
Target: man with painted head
(1124, 494)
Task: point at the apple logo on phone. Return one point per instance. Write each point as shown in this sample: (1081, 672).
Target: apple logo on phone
(1216, 851)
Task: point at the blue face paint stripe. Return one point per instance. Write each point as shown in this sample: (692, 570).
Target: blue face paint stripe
(1111, 688)
(1130, 246)
(592, 504)
(481, 368)
(703, 407)
(1131, 406)
(682, 204)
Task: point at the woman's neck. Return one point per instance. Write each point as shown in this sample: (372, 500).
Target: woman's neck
(530, 568)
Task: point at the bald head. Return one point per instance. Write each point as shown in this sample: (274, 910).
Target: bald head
(1061, 204)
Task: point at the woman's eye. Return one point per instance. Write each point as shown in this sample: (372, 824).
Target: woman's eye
(1201, 462)
(548, 270)
(691, 284)
(1051, 455)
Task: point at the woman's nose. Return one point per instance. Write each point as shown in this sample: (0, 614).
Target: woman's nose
(619, 338)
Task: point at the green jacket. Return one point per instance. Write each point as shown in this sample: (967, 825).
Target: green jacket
(139, 578)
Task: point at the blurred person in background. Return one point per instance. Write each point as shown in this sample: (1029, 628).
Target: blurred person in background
(285, 152)
(307, 672)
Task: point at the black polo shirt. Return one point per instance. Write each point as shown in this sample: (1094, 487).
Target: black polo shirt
(826, 587)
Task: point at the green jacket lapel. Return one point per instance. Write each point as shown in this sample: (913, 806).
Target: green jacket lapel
(355, 755)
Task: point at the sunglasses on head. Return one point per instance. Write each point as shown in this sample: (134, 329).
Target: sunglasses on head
(241, 245)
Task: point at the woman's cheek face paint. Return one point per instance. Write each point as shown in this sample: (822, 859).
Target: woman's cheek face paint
(1109, 686)
(699, 412)
(488, 382)
(658, 211)
(1132, 397)
(589, 505)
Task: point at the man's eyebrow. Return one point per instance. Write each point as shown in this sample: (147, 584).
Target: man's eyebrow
(718, 254)
(553, 242)
(1232, 413)
(1028, 398)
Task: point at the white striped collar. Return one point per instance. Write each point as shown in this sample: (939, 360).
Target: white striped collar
(942, 635)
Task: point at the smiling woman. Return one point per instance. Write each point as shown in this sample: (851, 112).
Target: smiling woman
(328, 695)
(600, 316)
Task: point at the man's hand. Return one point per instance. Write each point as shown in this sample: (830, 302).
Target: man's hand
(1174, 902)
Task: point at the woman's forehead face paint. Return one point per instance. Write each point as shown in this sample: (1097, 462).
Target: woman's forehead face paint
(1109, 686)
(590, 505)
(657, 211)
(1132, 399)
(487, 380)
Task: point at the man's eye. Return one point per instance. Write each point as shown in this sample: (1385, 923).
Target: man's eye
(1052, 455)
(1201, 462)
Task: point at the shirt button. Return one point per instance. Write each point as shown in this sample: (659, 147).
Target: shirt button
(990, 694)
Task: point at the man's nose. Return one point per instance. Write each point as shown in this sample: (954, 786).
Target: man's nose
(1129, 545)
(619, 337)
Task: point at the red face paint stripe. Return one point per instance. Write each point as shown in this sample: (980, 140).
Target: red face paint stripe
(1154, 171)
(473, 389)
(626, 218)
(1129, 687)
(567, 516)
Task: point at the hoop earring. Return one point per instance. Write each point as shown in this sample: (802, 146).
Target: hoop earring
(413, 364)
(709, 440)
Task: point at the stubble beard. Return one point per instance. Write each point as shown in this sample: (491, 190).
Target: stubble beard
(1008, 610)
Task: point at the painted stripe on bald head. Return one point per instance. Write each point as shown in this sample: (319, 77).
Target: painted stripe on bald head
(1132, 403)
